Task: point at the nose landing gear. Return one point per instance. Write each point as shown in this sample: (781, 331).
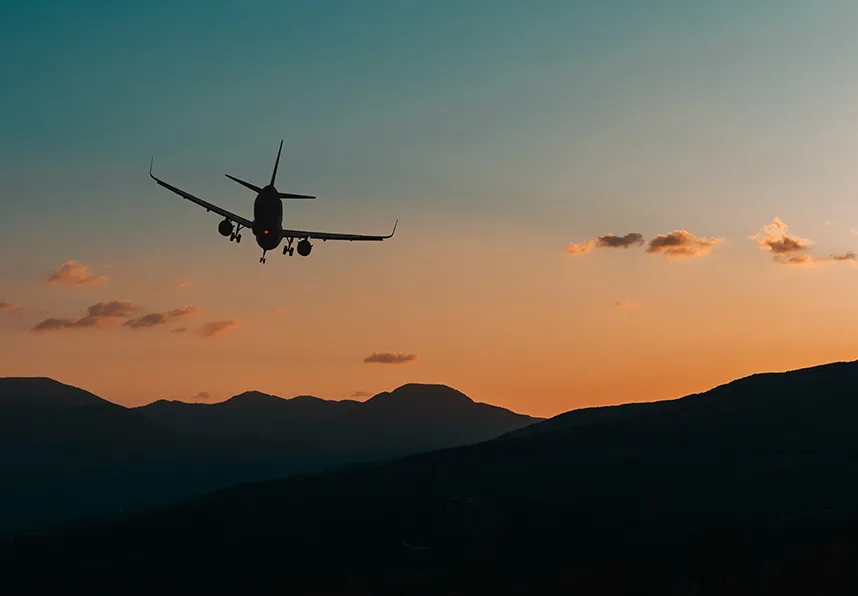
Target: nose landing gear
(262, 258)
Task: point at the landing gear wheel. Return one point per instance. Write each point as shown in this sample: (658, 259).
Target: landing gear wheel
(232, 237)
(285, 249)
(238, 239)
(262, 259)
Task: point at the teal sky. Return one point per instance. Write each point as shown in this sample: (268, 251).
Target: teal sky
(544, 113)
(521, 125)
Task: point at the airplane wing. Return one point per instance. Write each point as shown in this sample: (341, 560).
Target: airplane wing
(333, 236)
(208, 206)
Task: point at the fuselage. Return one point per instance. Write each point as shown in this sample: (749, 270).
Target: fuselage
(268, 218)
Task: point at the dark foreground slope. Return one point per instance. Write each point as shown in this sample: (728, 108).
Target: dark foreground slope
(65, 452)
(709, 486)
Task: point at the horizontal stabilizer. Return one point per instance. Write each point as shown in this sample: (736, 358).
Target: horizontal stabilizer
(289, 195)
(252, 187)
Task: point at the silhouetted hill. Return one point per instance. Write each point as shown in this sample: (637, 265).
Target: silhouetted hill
(70, 453)
(712, 487)
(407, 420)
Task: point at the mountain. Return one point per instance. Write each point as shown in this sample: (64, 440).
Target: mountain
(69, 453)
(712, 486)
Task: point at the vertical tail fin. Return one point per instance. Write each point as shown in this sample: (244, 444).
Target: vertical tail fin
(276, 163)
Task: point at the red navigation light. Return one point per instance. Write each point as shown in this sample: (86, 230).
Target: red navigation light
(265, 231)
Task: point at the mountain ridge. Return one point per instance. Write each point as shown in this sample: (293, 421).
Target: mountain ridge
(773, 454)
(79, 454)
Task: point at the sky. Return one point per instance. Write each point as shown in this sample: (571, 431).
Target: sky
(599, 201)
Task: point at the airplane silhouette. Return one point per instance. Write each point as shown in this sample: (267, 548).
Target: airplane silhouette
(267, 224)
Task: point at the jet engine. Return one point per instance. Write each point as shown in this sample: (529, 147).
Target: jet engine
(225, 228)
(304, 247)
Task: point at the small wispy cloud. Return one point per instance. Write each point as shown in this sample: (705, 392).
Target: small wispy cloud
(773, 238)
(202, 396)
(184, 284)
(161, 318)
(217, 328)
(359, 394)
(389, 358)
(72, 273)
(682, 244)
(9, 307)
(606, 241)
(97, 315)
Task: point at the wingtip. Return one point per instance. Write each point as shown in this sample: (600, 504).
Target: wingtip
(151, 161)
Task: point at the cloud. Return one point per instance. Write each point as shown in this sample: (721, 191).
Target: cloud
(773, 238)
(611, 241)
(606, 241)
(389, 358)
(215, 328)
(625, 304)
(179, 330)
(97, 315)
(681, 244)
(184, 284)
(160, 318)
(579, 249)
(808, 260)
(202, 395)
(356, 394)
(10, 307)
(276, 310)
(72, 273)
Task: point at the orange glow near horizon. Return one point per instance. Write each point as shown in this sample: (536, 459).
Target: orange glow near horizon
(536, 332)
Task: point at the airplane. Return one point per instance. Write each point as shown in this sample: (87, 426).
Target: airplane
(267, 223)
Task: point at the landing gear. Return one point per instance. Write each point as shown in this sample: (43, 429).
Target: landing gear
(235, 236)
(262, 258)
(288, 249)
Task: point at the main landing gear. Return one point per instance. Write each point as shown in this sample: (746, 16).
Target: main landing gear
(235, 236)
(287, 248)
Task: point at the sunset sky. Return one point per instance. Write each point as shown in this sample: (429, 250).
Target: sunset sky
(599, 202)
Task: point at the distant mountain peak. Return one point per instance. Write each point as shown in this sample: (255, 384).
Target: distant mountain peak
(423, 393)
(254, 398)
(42, 391)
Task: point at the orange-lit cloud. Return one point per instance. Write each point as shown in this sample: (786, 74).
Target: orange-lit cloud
(216, 328)
(72, 273)
(625, 304)
(10, 307)
(389, 358)
(98, 315)
(808, 260)
(579, 249)
(202, 396)
(358, 394)
(773, 238)
(681, 244)
(612, 241)
(276, 310)
(606, 241)
(160, 318)
(184, 284)
(179, 330)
